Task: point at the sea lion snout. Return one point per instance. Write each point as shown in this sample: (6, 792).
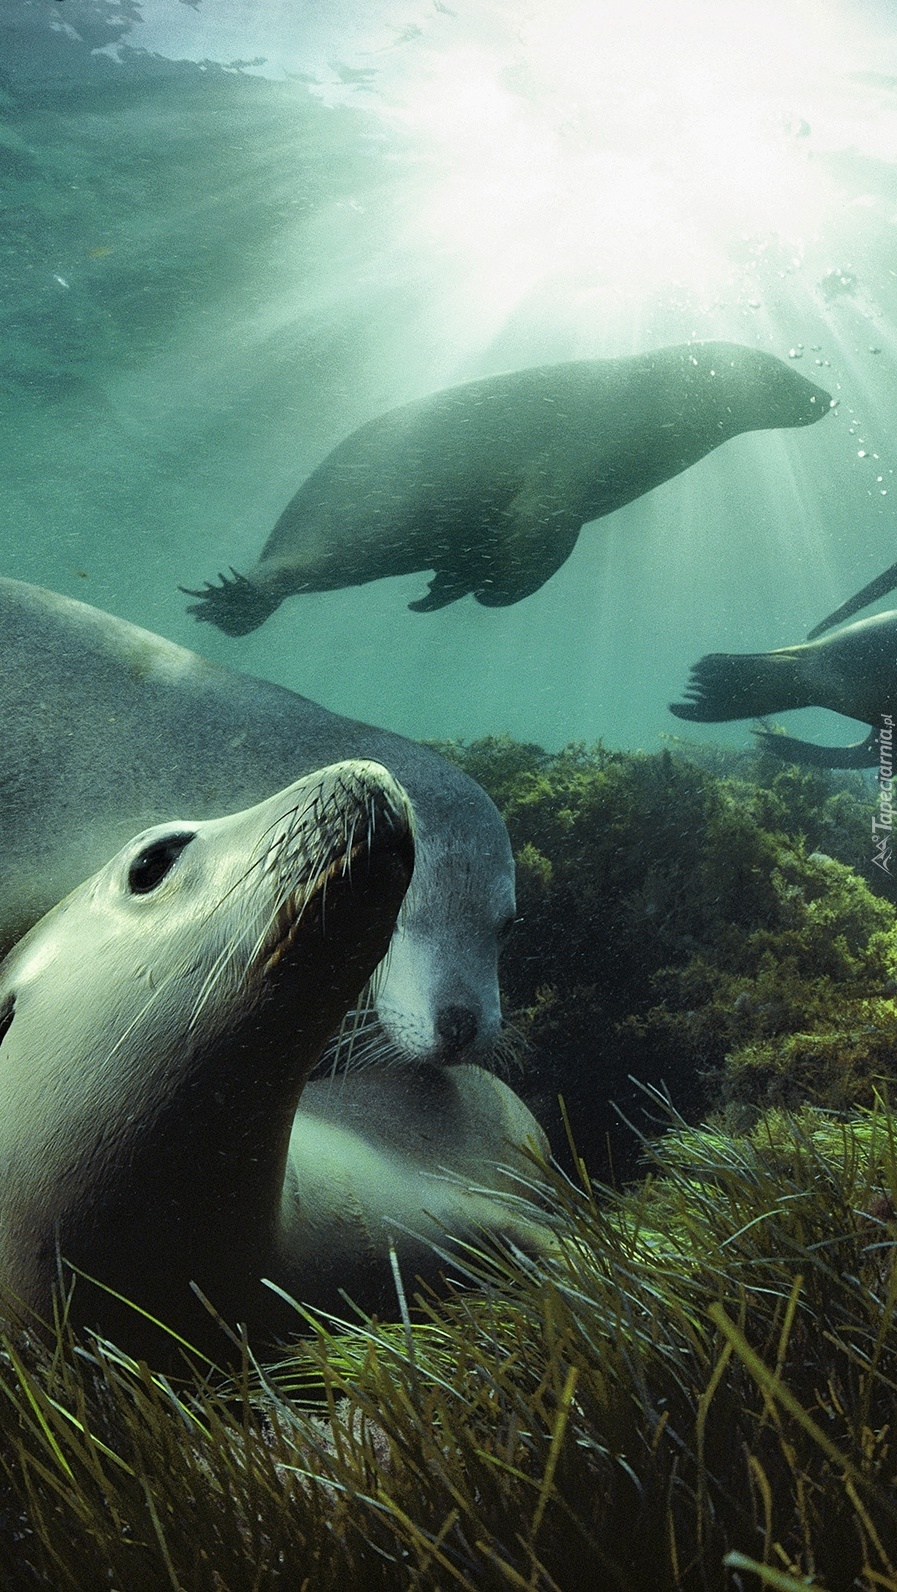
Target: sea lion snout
(788, 399)
(456, 1027)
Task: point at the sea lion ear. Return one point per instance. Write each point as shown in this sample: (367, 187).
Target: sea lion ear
(7, 1013)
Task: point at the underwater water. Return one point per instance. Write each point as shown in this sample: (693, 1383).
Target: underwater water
(233, 233)
(236, 230)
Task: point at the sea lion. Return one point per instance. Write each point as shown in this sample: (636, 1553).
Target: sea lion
(853, 672)
(413, 1156)
(106, 729)
(489, 484)
(156, 1030)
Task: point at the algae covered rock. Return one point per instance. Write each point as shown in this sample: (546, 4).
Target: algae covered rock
(691, 920)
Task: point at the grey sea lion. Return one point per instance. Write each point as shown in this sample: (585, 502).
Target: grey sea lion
(156, 1031)
(106, 729)
(489, 484)
(853, 672)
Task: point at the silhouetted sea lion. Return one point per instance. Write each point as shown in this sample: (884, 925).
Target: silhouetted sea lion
(853, 672)
(106, 728)
(490, 483)
(156, 1031)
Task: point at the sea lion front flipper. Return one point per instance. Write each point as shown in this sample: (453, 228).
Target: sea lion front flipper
(530, 547)
(862, 754)
(446, 587)
(879, 587)
(236, 606)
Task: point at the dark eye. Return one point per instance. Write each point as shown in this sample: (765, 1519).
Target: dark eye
(151, 865)
(6, 1016)
(505, 928)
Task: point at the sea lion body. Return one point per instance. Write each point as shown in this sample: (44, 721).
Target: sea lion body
(156, 1031)
(489, 484)
(853, 671)
(415, 1158)
(106, 729)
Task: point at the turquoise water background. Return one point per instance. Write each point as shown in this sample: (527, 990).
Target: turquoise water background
(233, 232)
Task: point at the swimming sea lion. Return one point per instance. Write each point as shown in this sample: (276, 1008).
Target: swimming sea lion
(853, 672)
(490, 483)
(157, 1029)
(106, 729)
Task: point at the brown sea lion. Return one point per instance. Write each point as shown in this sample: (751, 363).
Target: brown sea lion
(490, 483)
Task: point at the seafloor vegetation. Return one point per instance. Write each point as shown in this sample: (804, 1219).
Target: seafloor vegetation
(701, 920)
(697, 1390)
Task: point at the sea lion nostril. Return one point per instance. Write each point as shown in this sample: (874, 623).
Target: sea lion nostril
(456, 1026)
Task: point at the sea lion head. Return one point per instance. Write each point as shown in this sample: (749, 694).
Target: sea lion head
(439, 1000)
(755, 389)
(157, 1029)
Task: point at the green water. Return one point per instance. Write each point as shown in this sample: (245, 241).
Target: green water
(234, 232)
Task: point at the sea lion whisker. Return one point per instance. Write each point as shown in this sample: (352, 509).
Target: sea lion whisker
(509, 1050)
(359, 1030)
(321, 862)
(356, 1057)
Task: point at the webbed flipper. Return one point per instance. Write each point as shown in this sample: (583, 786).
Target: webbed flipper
(530, 547)
(446, 587)
(236, 606)
(743, 685)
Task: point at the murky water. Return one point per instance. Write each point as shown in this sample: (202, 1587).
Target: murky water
(234, 232)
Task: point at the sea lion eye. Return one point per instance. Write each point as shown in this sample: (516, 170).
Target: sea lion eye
(505, 928)
(151, 865)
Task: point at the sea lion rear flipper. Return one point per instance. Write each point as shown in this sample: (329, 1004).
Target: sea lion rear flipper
(879, 587)
(743, 685)
(863, 754)
(236, 606)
